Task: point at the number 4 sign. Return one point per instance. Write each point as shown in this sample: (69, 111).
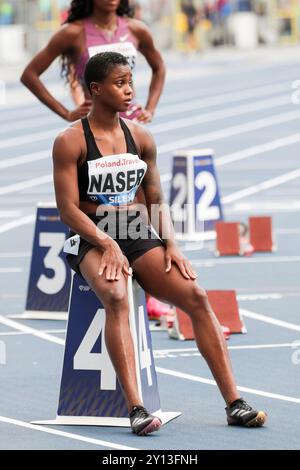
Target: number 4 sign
(90, 393)
(195, 199)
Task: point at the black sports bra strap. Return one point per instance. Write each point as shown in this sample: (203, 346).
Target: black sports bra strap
(92, 149)
(131, 147)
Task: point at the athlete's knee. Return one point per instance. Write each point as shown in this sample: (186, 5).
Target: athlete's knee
(114, 296)
(115, 301)
(198, 299)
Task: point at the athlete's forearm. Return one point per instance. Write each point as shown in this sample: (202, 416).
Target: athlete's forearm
(161, 220)
(167, 232)
(81, 224)
(34, 84)
(156, 87)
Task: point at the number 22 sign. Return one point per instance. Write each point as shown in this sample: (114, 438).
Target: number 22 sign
(195, 199)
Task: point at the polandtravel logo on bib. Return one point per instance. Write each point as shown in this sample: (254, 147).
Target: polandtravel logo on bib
(114, 179)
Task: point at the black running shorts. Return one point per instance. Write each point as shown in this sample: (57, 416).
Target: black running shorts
(134, 238)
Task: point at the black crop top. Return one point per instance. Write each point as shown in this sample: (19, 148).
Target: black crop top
(113, 179)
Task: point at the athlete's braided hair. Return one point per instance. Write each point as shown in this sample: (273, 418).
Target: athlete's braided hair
(80, 9)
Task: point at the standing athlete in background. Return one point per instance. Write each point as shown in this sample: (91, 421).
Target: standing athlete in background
(95, 26)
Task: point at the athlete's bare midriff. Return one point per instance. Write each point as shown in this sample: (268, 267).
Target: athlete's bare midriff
(92, 209)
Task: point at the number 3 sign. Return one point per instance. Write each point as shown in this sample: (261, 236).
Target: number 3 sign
(50, 276)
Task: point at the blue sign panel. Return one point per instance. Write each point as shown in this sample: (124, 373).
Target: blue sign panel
(50, 275)
(89, 386)
(207, 202)
(148, 377)
(179, 194)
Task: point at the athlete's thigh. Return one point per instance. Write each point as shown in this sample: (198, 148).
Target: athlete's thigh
(106, 290)
(171, 287)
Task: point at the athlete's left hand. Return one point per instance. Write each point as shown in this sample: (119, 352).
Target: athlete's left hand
(174, 255)
(145, 116)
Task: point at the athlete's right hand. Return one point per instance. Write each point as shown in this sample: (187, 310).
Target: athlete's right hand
(80, 112)
(113, 261)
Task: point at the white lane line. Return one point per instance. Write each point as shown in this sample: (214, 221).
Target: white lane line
(195, 378)
(18, 326)
(20, 124)
(24, 112)
(177, 144)
(11, 188)
(228, 132)
(288, 206)
(256, 188)
(11, 270)
(9, 214)
(18, 333)
(158, 353)
(271, 183)
(16, 254)
(32, 331)
(30, 138)
(161, 352)
(268, 346)
(287, 231)
(227, 95)
(249, 152)
(68, 435)
(188, 105)
(221, 98)
(266, 296)
(32, 157)
(230, 112)
(27, 158)
(188, 101)
(262, 259)
(258, 149)
(11, 296)
(183, 143)
(270, 320)
(260, 88)
(29, 219)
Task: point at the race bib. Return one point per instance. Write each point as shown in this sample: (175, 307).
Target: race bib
(115, 179)
(125, 48)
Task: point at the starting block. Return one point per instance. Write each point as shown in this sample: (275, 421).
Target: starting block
(50, 275)
(225, 306)
(231, 239)
(90, 393)
(261, 237)
(228, 239)
(195, 201)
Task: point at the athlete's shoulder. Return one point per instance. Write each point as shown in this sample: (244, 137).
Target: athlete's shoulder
(138, 28)
(69, 31)
(69, 142)
(143, 139)
(139, 132)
